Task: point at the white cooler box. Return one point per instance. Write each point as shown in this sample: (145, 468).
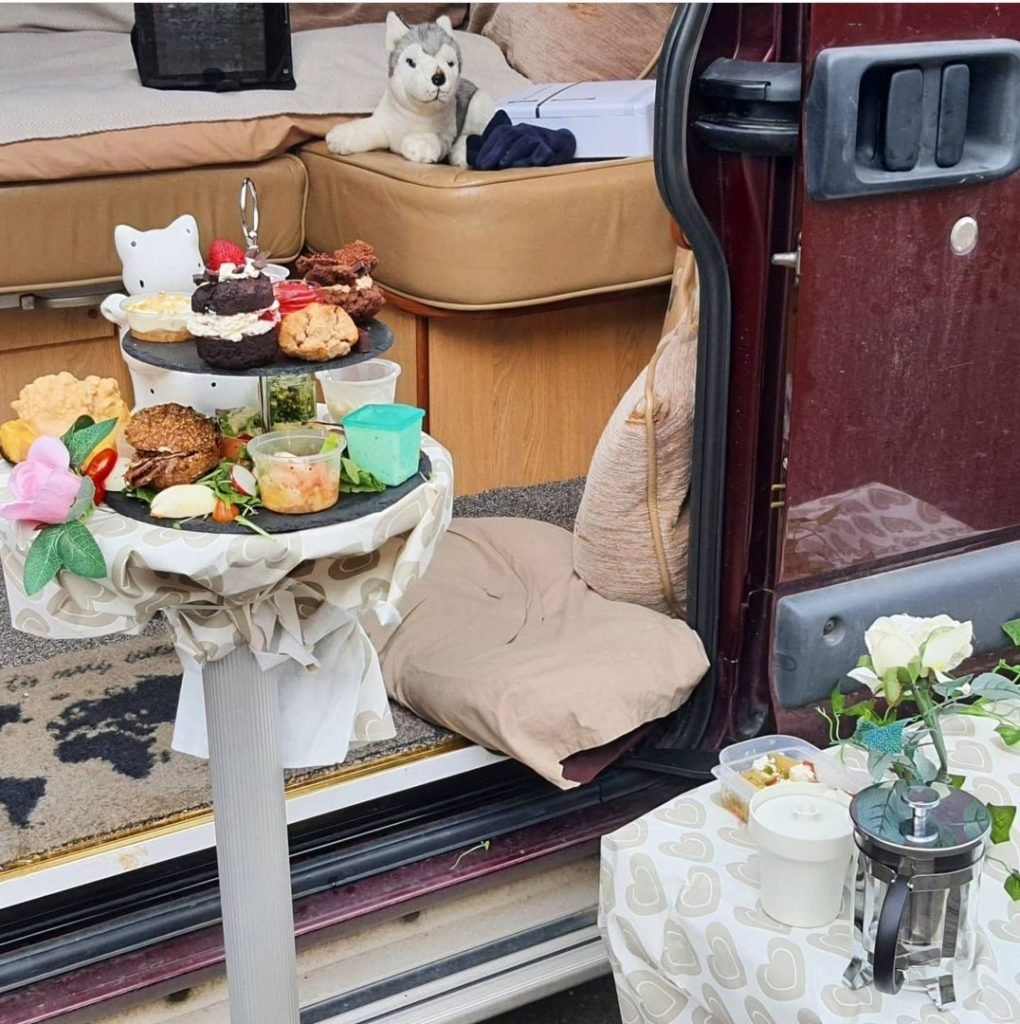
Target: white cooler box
(608, 119)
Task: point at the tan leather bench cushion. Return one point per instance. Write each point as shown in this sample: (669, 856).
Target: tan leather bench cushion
(61, 233)
(475, 239)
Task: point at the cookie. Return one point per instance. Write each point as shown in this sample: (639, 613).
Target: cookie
(317, 333)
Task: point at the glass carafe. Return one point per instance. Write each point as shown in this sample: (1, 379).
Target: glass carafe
(921, 854)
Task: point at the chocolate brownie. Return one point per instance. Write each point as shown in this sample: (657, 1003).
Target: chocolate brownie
(344, 266)
(254, 350)
(360, 304)
(225, 298)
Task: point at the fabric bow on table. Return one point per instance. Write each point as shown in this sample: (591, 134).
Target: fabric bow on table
(504, 144)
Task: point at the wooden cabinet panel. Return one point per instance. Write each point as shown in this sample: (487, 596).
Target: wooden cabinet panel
(405, 345)
(524, 399)
(37, 342)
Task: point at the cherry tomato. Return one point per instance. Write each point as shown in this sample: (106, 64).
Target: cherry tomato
(231, 448)
(223, 512)
(99, 467)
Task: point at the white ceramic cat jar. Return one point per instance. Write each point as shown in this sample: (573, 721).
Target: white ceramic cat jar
(166, 260)
(160, 260)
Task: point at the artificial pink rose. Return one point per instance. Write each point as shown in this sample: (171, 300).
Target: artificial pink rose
(43, 485)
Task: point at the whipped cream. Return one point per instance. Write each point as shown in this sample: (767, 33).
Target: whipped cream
(232, 272)
(235, 327)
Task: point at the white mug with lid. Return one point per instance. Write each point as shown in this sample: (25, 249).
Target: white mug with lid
(805, 836)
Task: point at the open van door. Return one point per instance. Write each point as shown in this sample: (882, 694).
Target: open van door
(845, 177)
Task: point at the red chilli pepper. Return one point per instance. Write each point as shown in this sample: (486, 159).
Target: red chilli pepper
(100, 466)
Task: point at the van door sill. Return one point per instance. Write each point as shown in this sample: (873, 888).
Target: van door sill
(478, 983)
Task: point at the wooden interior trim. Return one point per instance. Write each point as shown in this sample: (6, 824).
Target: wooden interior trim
(422, 309)
(421, 366)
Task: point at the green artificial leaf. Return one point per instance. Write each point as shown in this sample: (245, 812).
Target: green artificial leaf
(885, 739)
(1002, 821)
(80, 553)
(951, 687)
(1012, 630)
(879, 764)
(994, 687)
(80, 423)
(927, 770)
(1012, 884)
(837, 700)
(864, 661)
(42, 563)
(914, 669)
(862, 709)
(1010, 734)
(891, 687)
(81, 442)
(956, 781)
(83, 503)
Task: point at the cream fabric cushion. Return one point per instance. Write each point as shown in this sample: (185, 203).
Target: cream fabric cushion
(502, 643)
(617, 549)
(578, 42)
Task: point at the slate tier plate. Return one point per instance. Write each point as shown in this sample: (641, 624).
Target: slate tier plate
(183, 357)
(348, 508)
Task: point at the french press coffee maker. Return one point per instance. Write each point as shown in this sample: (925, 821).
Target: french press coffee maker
(921, 856)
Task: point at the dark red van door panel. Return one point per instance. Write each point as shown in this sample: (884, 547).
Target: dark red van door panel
(903, 416)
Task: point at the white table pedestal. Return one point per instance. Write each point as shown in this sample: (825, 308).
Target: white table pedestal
(242, 714)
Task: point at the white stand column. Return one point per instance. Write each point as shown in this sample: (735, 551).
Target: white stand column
(242, 716)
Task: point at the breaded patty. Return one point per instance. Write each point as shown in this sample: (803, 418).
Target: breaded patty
(174, 445)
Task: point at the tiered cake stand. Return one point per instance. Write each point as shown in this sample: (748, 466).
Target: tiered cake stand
(243, 724)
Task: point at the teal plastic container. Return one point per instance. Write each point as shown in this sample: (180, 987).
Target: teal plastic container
(385, 440)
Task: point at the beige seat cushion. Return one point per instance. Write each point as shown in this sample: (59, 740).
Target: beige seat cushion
(61, 233)
(488, 239)
(579, 42)
(503, 644)
(616, 548)
(74, 107)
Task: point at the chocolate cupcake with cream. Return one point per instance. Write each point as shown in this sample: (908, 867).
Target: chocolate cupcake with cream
(235, 316)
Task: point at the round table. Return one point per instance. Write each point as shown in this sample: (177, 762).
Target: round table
(274, 658)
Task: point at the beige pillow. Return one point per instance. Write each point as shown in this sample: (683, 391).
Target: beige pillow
(503, 644)
(310, 16)
(617, 550)
(579, 42)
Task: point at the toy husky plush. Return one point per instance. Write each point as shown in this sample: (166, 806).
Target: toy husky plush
(428, 110)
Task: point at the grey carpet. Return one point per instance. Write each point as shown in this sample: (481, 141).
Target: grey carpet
(86, 725)
(552, 503)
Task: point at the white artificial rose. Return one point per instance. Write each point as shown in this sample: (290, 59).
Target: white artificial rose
(892, 643)
(948, 644)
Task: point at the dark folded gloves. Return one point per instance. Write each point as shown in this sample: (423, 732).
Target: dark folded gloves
(504, 144)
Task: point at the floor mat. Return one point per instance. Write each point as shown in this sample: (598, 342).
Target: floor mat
(85, 726)
(86, 749)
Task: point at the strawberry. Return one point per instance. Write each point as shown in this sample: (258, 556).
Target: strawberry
(221, 251)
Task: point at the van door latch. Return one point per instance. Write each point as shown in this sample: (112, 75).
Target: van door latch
(790, 260)
(750, 107)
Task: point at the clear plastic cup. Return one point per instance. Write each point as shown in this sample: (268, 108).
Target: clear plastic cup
(373, 382)
(294, 474)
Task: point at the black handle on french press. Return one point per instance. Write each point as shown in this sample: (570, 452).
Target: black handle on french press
(888, 978)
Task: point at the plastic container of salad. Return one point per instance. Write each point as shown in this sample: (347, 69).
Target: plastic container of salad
(298, 471)
(739, 758)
